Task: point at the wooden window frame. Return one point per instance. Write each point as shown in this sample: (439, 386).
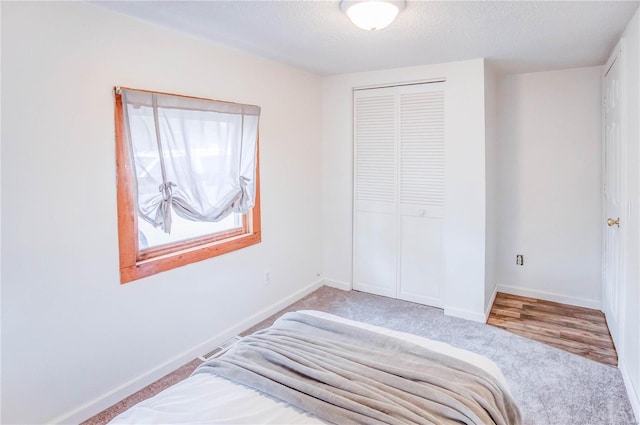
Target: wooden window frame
(135, 264)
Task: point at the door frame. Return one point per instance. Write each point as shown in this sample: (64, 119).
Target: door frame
(618, 55)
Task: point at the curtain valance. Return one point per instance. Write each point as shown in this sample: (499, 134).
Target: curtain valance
(192, 157)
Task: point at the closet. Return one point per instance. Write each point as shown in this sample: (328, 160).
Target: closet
(399, 191)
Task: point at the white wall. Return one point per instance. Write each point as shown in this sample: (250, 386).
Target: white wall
(549, 185)
(629, 353)
(491, 161)
(71, 333)
(465, 173)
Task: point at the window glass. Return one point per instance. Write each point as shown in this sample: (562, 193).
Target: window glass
(183, 230)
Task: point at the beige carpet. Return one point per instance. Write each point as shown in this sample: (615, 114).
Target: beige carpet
(551, 386)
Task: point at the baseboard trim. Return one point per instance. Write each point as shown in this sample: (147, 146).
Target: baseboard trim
(338, 284)
(550, 296)
(97, 405)
(465, 314)
(632, 392)
(375, 290)
(419, 299)
(487, 309)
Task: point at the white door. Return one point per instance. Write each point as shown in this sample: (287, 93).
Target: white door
(614, 194)
(375, 195)
(421, 192)
(399, 191)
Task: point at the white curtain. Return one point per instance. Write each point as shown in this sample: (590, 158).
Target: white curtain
(195, 157)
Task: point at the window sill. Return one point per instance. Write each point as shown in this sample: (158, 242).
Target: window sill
(148, 267)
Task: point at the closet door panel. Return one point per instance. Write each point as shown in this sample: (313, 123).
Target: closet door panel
(420, 258)
(421, 192)
(375, 190)
(375, 146)
(375, 264)
(422, 147)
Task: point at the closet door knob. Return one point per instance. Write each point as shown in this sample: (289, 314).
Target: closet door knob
(612, 222)
(421, 213)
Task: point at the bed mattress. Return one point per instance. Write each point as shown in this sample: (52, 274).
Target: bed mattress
(209, 399)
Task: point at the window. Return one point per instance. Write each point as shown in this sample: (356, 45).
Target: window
(188, 180)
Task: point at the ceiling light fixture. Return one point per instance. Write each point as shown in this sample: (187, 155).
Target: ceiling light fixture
(372, 15)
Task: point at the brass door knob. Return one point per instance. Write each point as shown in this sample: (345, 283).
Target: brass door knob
(612, 222)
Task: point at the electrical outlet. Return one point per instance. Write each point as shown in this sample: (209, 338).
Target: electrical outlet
(520, 260)
(267, 277)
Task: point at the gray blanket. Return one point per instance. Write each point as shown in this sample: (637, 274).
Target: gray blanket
(348, 375)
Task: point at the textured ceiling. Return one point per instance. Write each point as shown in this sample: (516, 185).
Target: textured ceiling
(517, 36)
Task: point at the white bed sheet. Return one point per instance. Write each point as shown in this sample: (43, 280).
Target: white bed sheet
(209, 399)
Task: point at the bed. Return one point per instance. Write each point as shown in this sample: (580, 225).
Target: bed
(234, 388)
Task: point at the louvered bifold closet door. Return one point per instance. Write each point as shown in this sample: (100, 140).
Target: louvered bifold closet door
(421, 162)
(375, 191)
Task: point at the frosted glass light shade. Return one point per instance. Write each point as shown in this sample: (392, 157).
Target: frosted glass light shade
(371, 15)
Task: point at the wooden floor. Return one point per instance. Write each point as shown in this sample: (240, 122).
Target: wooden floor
(579, 330)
